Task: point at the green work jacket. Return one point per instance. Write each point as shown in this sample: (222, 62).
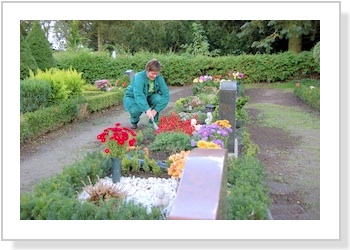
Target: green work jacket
(138, 90)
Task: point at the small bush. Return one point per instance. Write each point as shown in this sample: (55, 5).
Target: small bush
(171, 142)
(64, 83)
(35, 94)
(249, 148)
(248, 197)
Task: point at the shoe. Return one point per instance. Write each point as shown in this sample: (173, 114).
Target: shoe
(133, 126)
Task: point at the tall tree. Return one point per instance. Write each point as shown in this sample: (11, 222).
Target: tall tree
(74, 39)
(40, 47)
(27, 60)
(200, 44)
(275, 31)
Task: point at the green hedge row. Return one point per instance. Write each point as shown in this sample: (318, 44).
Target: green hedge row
(42, 121)
(56, 198)
(100, 102)
(181, 69)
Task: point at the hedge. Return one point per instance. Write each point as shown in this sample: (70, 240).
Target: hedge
(181, 70)
(42, 121)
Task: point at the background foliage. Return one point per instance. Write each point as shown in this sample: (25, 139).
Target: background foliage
(182, 69)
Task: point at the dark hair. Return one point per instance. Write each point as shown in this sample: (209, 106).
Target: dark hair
(153, 65)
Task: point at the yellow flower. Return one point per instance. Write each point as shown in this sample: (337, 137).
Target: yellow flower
(207, 144)
(223, 123)
(178, 163)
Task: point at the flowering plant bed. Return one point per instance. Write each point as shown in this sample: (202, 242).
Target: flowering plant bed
(214, 135)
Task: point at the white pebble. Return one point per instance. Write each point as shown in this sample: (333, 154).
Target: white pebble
(149, 192)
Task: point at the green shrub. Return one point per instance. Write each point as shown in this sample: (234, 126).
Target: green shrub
(316, 56)
(242, 115)
(309, 92)
(51, 118)
(35, 94)
(248, 197)
(90, 88)
(48, 119)
(27, 59)
(104, 100)
(64, 83)
(249, 148)
(182, 69)
(40, 47)
(171, 142)
(95, 65)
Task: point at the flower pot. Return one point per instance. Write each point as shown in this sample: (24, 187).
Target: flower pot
(116, 169)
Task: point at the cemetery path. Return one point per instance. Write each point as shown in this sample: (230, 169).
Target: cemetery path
(293, 174)
(290, 154)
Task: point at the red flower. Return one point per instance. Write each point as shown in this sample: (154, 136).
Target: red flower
(173, 122)
(117, 140)
(125, 135)
(132, 142)
(121, 142)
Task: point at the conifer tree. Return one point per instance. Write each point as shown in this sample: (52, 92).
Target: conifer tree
(40, 47)
(27, 59)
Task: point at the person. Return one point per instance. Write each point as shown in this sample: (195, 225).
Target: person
(146, 93)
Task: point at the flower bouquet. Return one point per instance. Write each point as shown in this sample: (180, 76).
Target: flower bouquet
(117, 140)
(202, 79)
(214, 135)
(238, 75)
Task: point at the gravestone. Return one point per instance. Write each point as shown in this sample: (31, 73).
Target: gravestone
(227, 109)
(130, 73)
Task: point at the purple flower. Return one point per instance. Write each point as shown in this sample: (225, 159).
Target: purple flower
(218, 142)
(224, 133)
(204, 132)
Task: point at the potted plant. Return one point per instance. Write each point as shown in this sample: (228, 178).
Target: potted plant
(117, 141)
